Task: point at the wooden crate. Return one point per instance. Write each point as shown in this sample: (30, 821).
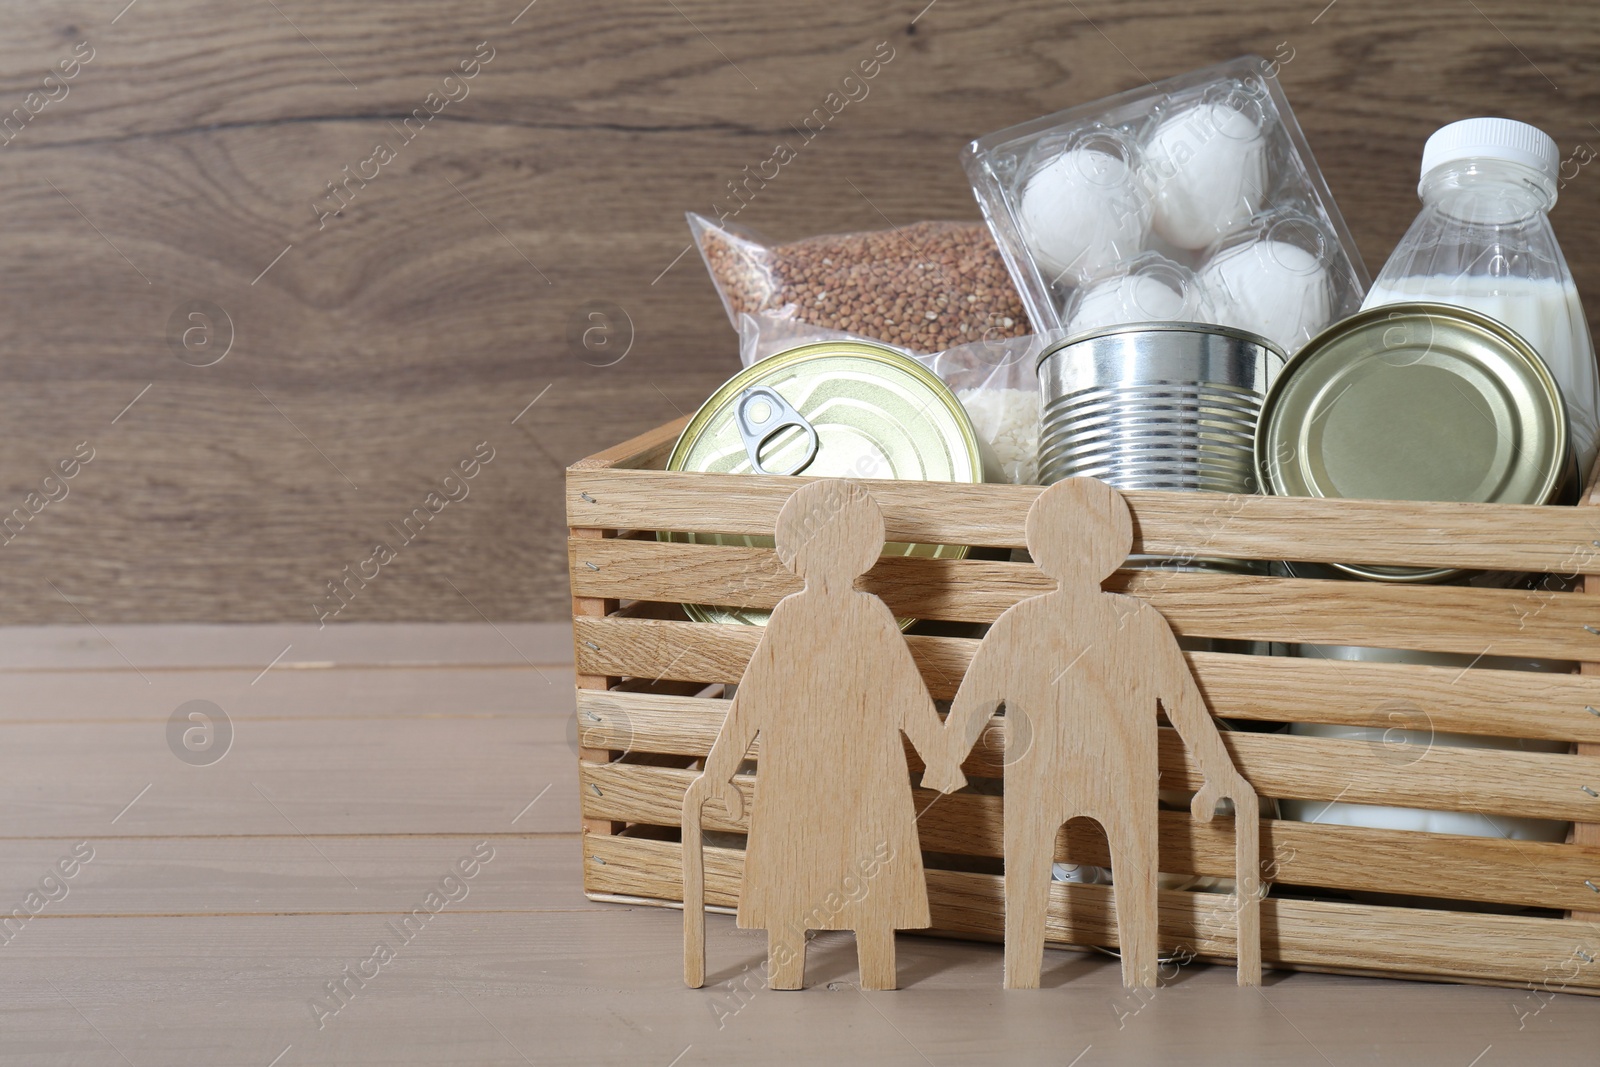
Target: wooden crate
(647, 708)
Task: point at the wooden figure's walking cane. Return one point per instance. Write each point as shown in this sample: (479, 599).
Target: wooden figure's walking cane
(694, 889)
(1248, 887)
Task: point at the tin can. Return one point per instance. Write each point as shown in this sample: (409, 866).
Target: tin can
(834, 409)
(1415, 401)
(1157, 405)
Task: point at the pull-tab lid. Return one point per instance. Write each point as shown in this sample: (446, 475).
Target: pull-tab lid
(761, 415)
(835, 409)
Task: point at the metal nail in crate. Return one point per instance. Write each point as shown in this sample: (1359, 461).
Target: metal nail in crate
(1343, 898)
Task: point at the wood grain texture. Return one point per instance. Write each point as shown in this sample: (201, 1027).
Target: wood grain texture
(314, 693)
(199, 136)
(1350, 693)
(1315, 855)
(1294, 932)
(1531, 623)
(1588, 833)
(1353, 693)
(594, 607)
(203, 947)
(832, 689)
(285, 646)
(265, 875)
(1175, 524)
(1049, 657)
(325, 775)
(1490, 781)
(489, 990)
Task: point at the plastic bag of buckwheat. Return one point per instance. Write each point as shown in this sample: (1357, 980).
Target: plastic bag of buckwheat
(925, 287)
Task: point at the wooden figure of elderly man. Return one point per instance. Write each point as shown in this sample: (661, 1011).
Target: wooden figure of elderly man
(1080, 672)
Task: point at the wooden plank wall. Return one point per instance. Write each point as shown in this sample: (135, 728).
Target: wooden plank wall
(371, 352)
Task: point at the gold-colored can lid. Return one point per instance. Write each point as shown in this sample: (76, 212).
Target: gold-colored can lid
(1415, 401)
(833, 409)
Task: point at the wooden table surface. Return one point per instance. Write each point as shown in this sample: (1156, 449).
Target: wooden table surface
(223, 897)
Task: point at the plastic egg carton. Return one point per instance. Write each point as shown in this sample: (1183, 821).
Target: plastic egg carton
(1195, 198)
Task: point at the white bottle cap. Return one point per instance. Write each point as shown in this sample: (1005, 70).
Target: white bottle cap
(1490, 138)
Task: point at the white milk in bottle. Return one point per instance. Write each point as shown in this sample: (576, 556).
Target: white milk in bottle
(1483, 241)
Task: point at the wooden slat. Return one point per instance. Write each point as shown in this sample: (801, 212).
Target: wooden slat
(1588, 833)
(1397, 533)
(706, 652)
(1494, 703)
(585, 607)
(641, 451)
(1428, 617)
(1294, 932)
(1442, 866)
(1489, 781)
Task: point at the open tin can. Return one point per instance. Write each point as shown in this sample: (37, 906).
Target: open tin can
(1415, 401)
(834, 409)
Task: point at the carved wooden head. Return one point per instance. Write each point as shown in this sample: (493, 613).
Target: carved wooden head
(830, 532)
(1079, 531)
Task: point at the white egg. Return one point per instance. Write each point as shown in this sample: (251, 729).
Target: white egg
(1128, 298)
(1083, 212)
(1208, 168)
(1272, 288)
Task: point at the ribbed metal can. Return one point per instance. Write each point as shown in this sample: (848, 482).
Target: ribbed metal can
(1155, 405)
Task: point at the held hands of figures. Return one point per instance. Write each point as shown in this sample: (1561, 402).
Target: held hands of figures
(944, 779)
(943, 773)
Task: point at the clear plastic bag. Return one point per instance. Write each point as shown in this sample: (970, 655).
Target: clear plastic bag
(921, 288)
(994, 380)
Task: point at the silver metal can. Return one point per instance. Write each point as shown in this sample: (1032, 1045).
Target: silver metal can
(1155, 405)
